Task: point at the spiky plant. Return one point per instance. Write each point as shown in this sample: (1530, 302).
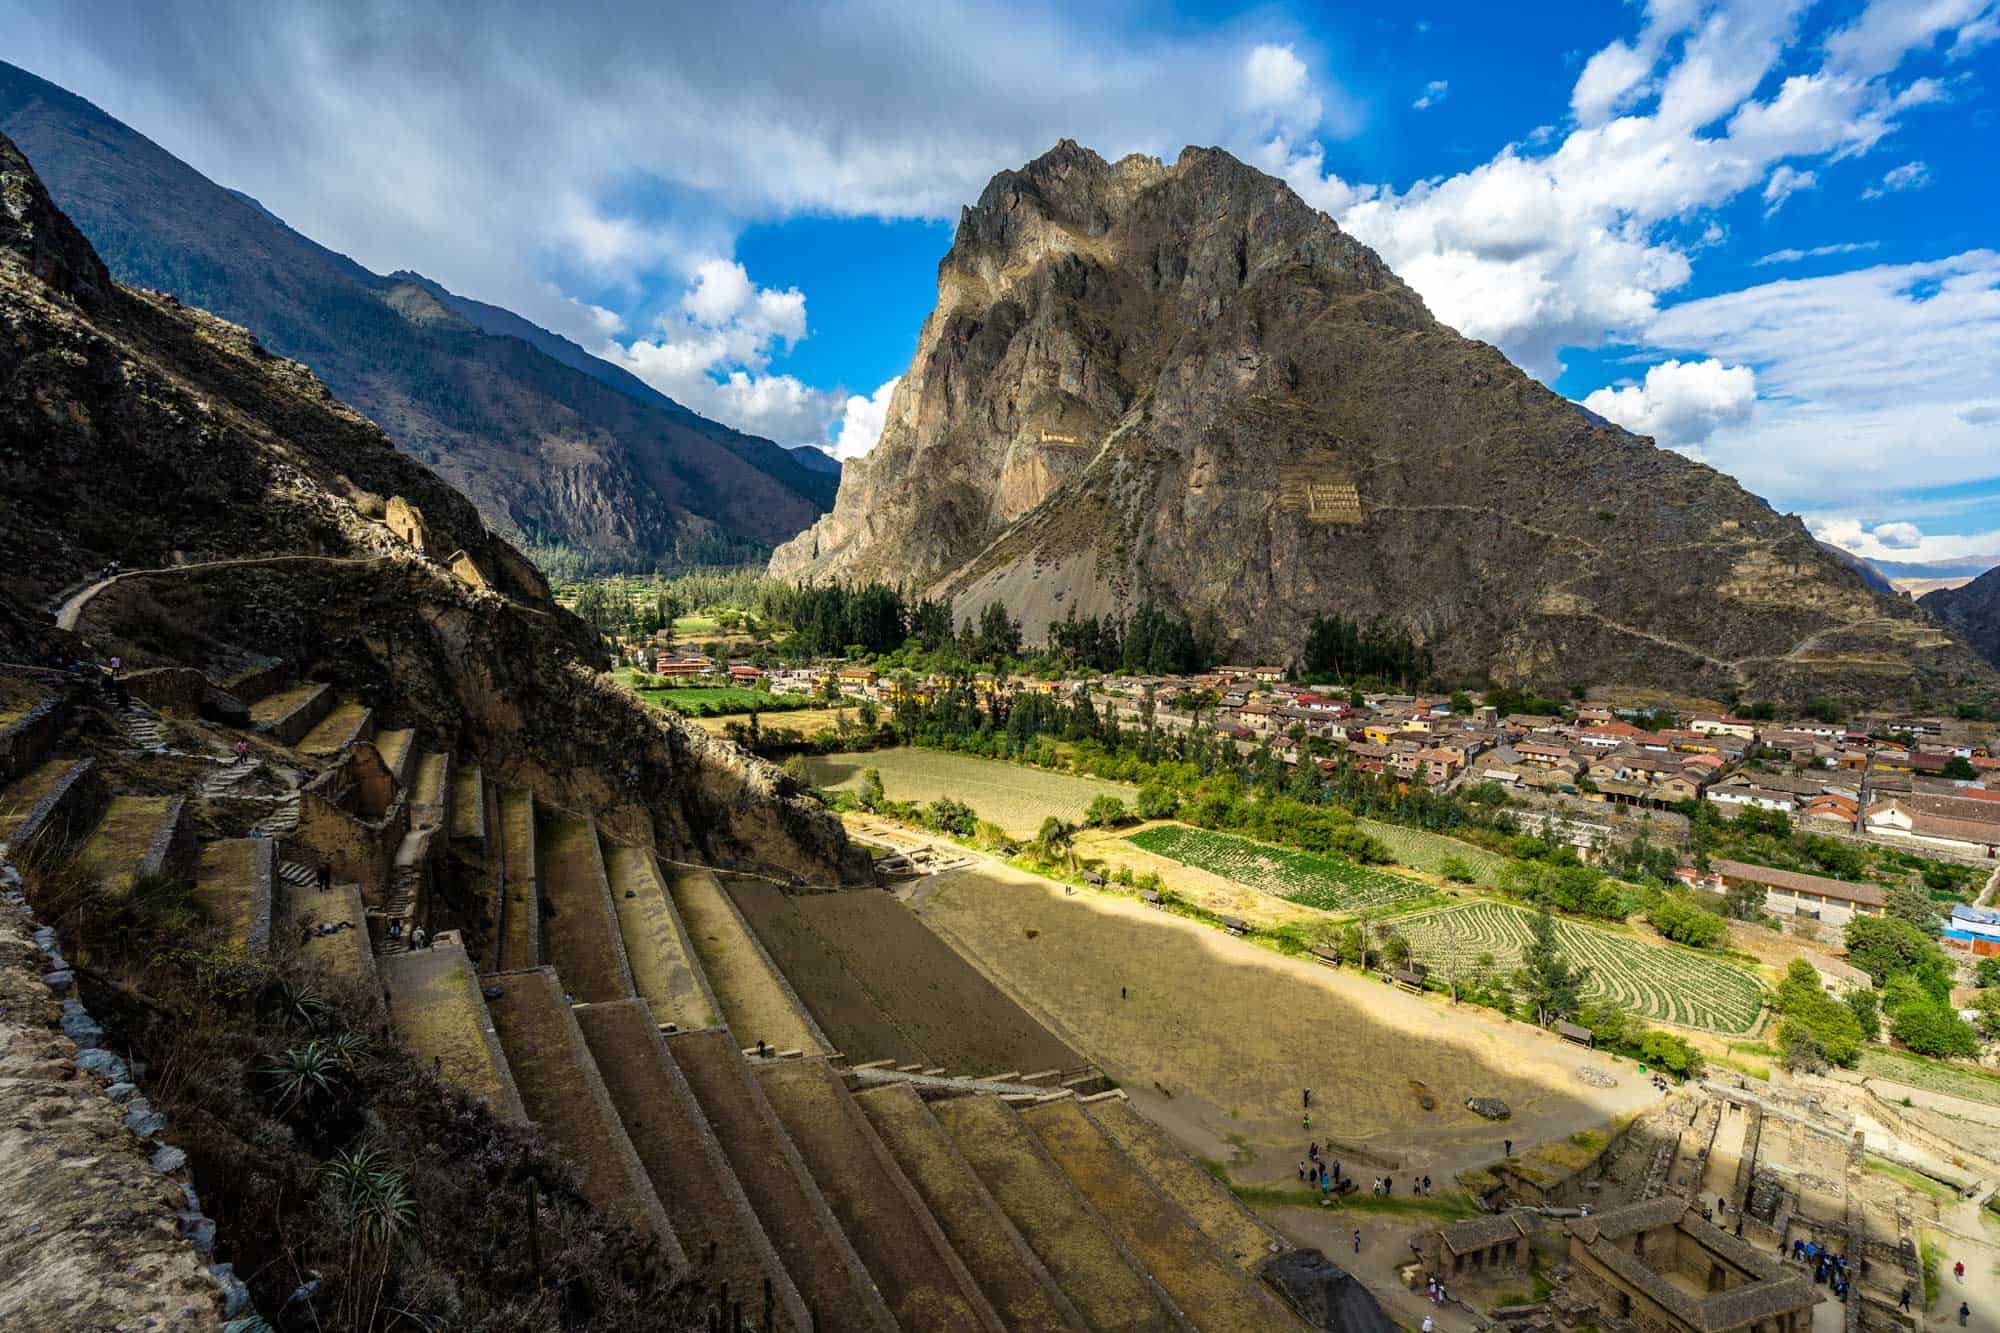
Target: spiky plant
(311, 1074)
(295, 1005)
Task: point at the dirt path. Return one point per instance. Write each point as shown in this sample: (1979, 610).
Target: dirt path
(71, 611)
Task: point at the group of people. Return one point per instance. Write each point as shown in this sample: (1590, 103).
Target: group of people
(1829, 1269)
(418, 938)
(1314, 1171)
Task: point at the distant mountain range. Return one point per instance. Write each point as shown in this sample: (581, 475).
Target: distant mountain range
(1178, 384)
(562, 452)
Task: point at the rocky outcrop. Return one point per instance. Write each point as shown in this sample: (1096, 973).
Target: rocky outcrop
(257, 518)
(1972, 610)
(1178, 382)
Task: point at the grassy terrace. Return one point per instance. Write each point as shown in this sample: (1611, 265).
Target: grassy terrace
(226, 887)
(274, 706)
(1209, 1288)
(663, 1121)
(582, 932)
(468, 805)
(941, 1005)
(887, 1231)
(520, 912)
(844, 1010)
(1930, 1075)
(1050, 1215)
(118, 844)
(815, 1255)
(754, 1003)
(1204, 1198)
(1331, 883)
(17, 698)
(663, 968)
(16, 801)
(335, 730)
(1657, 981)
(434, 1007)
(1014, 796)
(344, 954)
(548, 1059)
(972, 1222)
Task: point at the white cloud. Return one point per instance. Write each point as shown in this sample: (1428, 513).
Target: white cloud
(1888, 30)
(1873, 382)
(1539, 249)
(1902, 542)
(1680, 403)
(861, 422)
(1434, 93)
(1899, 536)
(1793, 256)
(1909, 176)
(1784, 183)
(712, 350)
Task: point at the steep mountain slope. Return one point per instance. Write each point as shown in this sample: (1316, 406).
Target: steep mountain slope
(1973, 610)
(261, 522)
(1179, 382)
(554, 446)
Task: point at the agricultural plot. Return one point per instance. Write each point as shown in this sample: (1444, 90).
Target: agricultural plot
(1651, 980)
(1930, 1075)
(1330, 883)
(1014, 796)
(1428, 852)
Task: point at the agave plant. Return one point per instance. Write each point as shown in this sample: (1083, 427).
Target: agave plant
(349, 1045)
(374, 1193)
(297, 1006)
(306, 1074)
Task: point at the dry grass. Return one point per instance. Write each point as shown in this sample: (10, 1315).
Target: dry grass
(1231, 1031)
(753, 1002)
(1210, 1289)
(114, 849)
(1047, 1210)
(521, 913)
(434, 1008)
(583, 934)
(971, 1221)
(663, 970)
(335, 729)
(1204, 1198)
(808, 722)
(1014, 796)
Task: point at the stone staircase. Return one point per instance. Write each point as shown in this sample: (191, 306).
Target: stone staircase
(141, 726)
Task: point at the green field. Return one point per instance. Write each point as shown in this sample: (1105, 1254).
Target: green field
(1014, 796)
(1429, 851)
(1654, 981)
(1330, 883)
(1930, 1075)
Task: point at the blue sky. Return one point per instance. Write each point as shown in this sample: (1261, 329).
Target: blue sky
(1759, 230)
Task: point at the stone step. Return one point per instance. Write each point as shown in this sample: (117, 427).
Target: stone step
(710, 1213)
(1014, 1281)
(234, 884)
(1088, 1261)
(439, 1012)
(50, 808)
(142, 728)
(468, 805)
(823, 1265)
(520, 920)
(664, 969)
(430, 789)
(1208, 1202)
(397, 747)
(1207, 1286)
(581, 927)
(137, 836)
(289, 714)
(566, 1099)
(921, 1278)
(283, 819)
(227, 777)
(757, 1003)
(348, 722)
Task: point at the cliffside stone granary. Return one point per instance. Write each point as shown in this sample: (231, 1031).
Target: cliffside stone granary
(1658, 1266)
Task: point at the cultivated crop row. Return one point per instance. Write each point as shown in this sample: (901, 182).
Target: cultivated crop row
(1330, 883)
(1430, 851)
(1653, 980)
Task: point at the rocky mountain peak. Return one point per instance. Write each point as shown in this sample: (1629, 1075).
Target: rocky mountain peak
(1182, 384)
(34, 232)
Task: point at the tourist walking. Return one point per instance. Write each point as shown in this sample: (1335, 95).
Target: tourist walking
(1964, 1313)
(1903, 1301)
(1357, 1241)
(1958, 1270)
(1428, 1326)
(325, 876)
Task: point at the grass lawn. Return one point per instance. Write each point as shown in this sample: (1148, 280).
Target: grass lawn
(1931, 1075)
(1331, 883)
(1655, 981)
(1014, 796)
